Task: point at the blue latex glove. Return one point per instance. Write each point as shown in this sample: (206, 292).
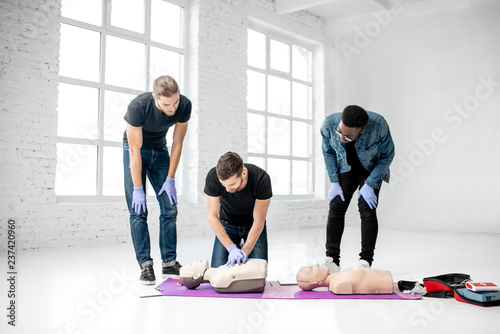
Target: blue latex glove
(236, 255)
(169, 188)
(139, 200)
(335, 190)
(368, 195)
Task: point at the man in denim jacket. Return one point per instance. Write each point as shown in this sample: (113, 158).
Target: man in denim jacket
(358, 150)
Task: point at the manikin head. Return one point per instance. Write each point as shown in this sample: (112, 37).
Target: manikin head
(352, 123)
(192, 275)
(166, 94)
(231, 172)
(310, 277)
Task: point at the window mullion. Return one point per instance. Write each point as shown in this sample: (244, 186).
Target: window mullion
(100, 147)
(100, 110)
(107, 14)
(147, 30)
(100, 164)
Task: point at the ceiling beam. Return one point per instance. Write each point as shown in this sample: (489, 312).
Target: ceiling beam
(290, 6)
(385, 3)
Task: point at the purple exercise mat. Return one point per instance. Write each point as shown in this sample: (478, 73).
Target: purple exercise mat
(273, 290)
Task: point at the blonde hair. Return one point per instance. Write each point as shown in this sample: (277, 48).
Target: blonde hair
(165, 86)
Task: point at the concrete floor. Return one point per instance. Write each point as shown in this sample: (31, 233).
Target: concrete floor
(92, 290)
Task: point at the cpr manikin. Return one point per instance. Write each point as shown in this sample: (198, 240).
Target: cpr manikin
(240, 278)
(347, 282)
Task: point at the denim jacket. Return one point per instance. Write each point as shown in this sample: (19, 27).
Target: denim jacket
(374, 146)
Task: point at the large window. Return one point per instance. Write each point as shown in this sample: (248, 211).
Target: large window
(111, 51)
(279, 102)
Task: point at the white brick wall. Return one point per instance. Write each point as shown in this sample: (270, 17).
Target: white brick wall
(29, 47)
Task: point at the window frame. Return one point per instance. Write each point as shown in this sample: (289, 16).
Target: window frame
(105, 30)
(271, 34)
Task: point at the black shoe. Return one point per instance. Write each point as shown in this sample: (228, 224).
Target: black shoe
(172, 270)
(148, 275)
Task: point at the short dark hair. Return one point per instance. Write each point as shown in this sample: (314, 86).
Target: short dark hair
(229, 164)
(354, 117)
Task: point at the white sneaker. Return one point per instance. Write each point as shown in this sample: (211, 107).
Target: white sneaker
(364, 264)
(332, 267)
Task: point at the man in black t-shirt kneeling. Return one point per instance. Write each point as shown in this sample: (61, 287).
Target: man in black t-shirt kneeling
(237, 197)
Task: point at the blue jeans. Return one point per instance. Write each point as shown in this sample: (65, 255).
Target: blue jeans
(237, 233)
(155, 164)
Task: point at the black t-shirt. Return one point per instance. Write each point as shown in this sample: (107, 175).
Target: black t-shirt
(142, 111)
(353, 159)
(237, 208)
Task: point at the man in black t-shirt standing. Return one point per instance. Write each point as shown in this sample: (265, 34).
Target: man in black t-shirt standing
(237, 197)
(145, 153)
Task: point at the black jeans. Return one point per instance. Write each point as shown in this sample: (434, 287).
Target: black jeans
(336, 219)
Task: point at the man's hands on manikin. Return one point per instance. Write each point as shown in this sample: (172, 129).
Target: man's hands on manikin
(169, 188)
(139, 200)
(335, 190)
(368, 195)
(236, 255)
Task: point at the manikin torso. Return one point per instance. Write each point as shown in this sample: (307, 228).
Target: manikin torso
(247, 277)
(350, 281)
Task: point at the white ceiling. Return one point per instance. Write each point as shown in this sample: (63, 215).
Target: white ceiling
(333, 10)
